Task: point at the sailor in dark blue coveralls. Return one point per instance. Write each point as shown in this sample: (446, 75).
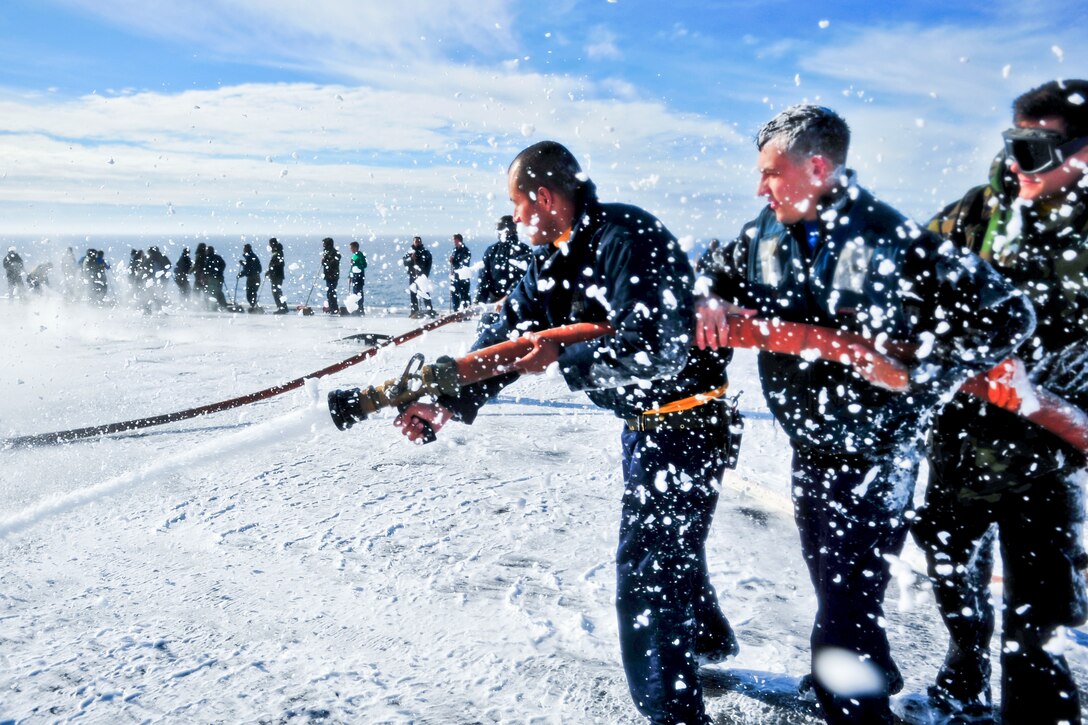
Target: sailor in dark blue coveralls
(826, 252)
(618, 264)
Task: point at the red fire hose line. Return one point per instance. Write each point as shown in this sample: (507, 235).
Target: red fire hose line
(65, 436)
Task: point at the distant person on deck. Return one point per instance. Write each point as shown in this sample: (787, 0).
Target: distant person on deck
(39, 277)
(357, 276)
(159, 271)
(418, 264)
(460, 274)
(330, 270)
(158, 265)
(70, 273)
(200, 270)
(182, 268)
(250, 268)
(214, 268)
(98, 274)
(13, 270)
(276, 274)
(86, 271)
(504, 264)
(137, 276)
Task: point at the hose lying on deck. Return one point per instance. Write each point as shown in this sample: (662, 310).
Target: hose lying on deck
(65, 436)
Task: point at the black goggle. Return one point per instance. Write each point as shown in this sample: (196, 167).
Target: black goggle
(1038, 150)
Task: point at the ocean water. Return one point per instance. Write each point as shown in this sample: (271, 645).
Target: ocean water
(386, 278)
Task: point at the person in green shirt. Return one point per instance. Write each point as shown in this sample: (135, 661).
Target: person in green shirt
(357, 276)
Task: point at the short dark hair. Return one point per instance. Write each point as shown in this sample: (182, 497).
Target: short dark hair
(458, 237)
(1067, 100)
(807, 130)
(507, 228)
(353, 245)
(549, 164)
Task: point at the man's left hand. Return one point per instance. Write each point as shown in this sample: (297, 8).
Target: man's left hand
(1002, 381)
(712, 321)
(544, 353)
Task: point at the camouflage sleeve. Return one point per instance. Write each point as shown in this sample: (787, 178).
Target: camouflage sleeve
(964, 222)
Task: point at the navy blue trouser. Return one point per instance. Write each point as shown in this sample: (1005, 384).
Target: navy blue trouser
(277, 293)
(850, 513)
(332, 304)
(1040, 528)
(358, 287)
(668, 611)
(460, 296)
(253, 286)
(419, 301)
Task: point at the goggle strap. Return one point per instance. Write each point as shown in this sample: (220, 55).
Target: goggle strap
(1071, 147)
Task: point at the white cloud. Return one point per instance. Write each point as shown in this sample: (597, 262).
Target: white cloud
(315, 32)
(677, 32)
(928, 61)
(602, 45)
(927, 124)
(414, 137)
(417, 158)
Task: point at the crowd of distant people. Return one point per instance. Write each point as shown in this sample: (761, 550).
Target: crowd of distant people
(86, 278)
(503, 265)
(200, 276)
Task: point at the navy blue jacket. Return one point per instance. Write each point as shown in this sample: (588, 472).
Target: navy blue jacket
(250, 266)
(460, 258)
(418, 262)
(214, 266)
(276, 266)
(504, 264)
(184, 266)
(621, 266)
(876, 273)
(330, 266)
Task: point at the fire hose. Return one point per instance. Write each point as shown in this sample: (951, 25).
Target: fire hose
(876, 362)
(446, 376)
(139, 423)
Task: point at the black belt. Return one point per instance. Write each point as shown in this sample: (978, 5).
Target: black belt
(707, 415)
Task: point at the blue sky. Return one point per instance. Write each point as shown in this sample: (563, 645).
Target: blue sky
(262, 117)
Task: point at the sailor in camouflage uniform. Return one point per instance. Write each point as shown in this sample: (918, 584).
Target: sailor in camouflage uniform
(993, 474)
